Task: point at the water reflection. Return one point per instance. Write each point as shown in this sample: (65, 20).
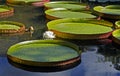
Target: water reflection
(45, 68)
(8, 70)
(112, 54)
(95, 64)
(91, 42)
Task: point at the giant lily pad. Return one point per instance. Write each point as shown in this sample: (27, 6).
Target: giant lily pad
(75, 6)
(116, 36)
(117, 24)
(6, 11)
(110, 11)
(58, 13)
(80, 28)
(9, 27)
(23, 2)
(45, 53)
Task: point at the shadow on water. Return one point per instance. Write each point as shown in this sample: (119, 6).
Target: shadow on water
(89, 42)
(44, 68)
(111, 53)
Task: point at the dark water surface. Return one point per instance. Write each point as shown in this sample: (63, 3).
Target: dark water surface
(99, 58)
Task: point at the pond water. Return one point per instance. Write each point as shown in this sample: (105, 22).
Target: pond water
(98, 58)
